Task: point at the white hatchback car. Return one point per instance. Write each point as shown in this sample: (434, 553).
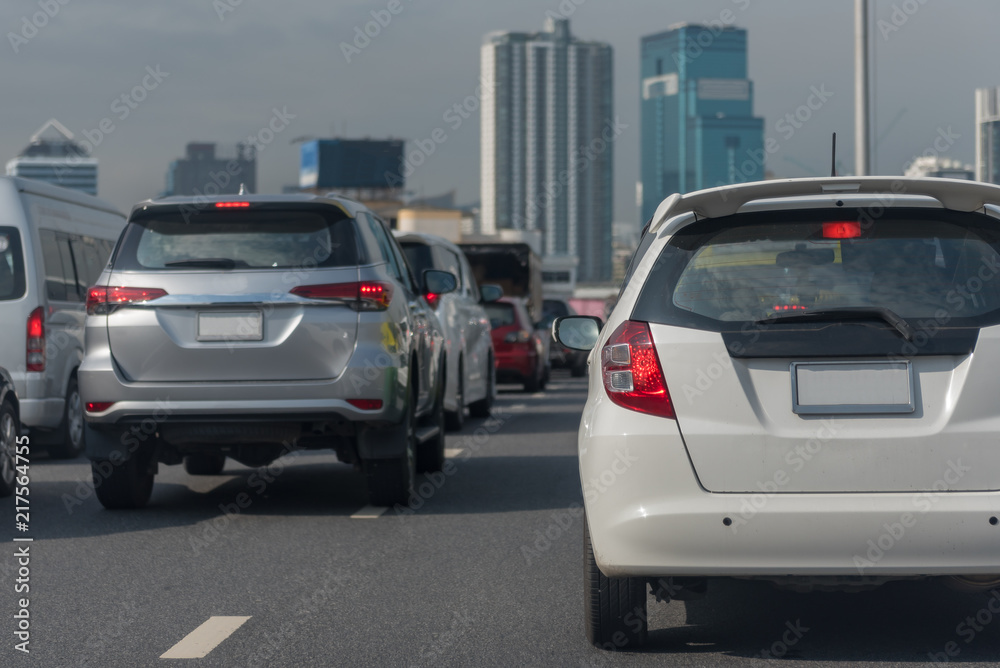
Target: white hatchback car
(798, 383)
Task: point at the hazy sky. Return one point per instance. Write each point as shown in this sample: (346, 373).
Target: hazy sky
(227, 65)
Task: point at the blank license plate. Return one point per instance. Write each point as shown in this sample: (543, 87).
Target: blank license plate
(231, 326)
(852, 387)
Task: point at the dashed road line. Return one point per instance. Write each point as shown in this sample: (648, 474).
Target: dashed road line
(369, 513)
(452, 453)
(205, 638)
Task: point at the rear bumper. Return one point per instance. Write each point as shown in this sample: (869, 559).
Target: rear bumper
(649, 516)
(516, 364)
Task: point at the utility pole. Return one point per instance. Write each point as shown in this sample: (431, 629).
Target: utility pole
(862, 159)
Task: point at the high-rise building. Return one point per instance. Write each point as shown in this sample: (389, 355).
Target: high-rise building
(207, 171)
(547, 141)
(988, 135)
(698, 127)
(53, 156)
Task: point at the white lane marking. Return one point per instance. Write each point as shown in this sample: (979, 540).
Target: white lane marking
(205, 638)
(369, 513)
(517, 407)
(451, 453)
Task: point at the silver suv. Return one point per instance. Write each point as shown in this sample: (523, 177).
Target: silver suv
(249, 326)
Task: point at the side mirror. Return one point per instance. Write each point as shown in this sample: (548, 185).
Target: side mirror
(579, 332)
(490, 293)
(439, 282)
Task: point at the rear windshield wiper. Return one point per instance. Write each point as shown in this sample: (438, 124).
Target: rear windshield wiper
(207, 262)
(849, 313)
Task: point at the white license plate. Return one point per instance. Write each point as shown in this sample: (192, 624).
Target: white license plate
(231, 326)
(824, 388)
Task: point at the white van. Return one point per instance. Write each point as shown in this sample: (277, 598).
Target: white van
(54, 243)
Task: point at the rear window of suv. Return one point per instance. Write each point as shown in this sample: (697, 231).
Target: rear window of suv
(238, 240)
(751, 267)
(11, 265)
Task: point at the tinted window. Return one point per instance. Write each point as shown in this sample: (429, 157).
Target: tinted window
(419, 257)
(60, 279)
(918, 264)
(500, 314)
(245, 240)
(90, 259)
(11, 264)
(448, 261)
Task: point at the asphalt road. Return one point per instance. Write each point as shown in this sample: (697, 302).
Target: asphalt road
(486, 570)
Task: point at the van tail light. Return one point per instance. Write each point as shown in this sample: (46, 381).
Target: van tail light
(35, 347)
(102, 300)
(364, 296)
(631, 369)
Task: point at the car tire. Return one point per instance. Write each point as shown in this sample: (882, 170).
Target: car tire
(9, 430)
(126, 485)
(391, 480)
(483, 407)
(455, 420)
(614, 613)
(68, 441)
(204, 464)
(535, 382)
(430, 453)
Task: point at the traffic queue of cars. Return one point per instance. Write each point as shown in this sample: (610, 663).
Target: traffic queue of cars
(236, 327)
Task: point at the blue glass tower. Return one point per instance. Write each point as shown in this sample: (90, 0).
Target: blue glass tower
(698, 127)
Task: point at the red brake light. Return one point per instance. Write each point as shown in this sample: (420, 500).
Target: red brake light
(790, 307)
(98, 406)
(368, 295)
(842, 229)
(35, 345)
(631, 370)
(231, 205)
(366, 404)
(102, 300)
(433, 299)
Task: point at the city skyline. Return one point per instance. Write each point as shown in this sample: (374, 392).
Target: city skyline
(222, 76)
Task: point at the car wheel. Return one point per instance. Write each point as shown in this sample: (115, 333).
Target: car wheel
(430, 453)
(9, 430)
(68, 440)
(204, 464)
(614, 612)
(455, 419)
(535, 382)
(483, 407)
(390, 480)
(126, 485)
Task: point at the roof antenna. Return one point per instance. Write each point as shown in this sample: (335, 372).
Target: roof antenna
(243, 187)
(833, 163)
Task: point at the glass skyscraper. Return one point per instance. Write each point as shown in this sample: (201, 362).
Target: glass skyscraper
(988, 135)
(698, 127)
(547, 141)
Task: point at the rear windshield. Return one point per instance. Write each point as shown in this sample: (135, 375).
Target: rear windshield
(418, 256)
(11, 265)
(751, 267)
(500, 315)
(238, 240)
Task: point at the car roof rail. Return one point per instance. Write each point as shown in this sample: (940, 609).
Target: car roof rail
(954, 194)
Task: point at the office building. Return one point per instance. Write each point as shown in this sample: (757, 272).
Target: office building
(698, 128)
(548, 133)
(55, 157)
(208, 170)
(988, 135)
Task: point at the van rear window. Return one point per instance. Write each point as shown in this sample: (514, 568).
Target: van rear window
(12, 284)
(244, 240)
(919, 264)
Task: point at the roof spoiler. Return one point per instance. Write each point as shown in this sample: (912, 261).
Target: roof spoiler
(954, 194)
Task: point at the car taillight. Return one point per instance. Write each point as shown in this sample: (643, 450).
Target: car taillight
(433, 299)
(102, 300)
(99, 406)
(232, 205)
(35, 348)
(520, 336)
(631, 369)
(366, 296)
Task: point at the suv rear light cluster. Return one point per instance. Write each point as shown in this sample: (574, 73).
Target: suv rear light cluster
(520, 336)
(102, 300)
(35, 348)
(631, 370)
(364, 296)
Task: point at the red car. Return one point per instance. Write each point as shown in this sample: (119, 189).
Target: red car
(519, 348)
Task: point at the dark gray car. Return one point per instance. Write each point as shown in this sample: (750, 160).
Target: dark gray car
(247, 327)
